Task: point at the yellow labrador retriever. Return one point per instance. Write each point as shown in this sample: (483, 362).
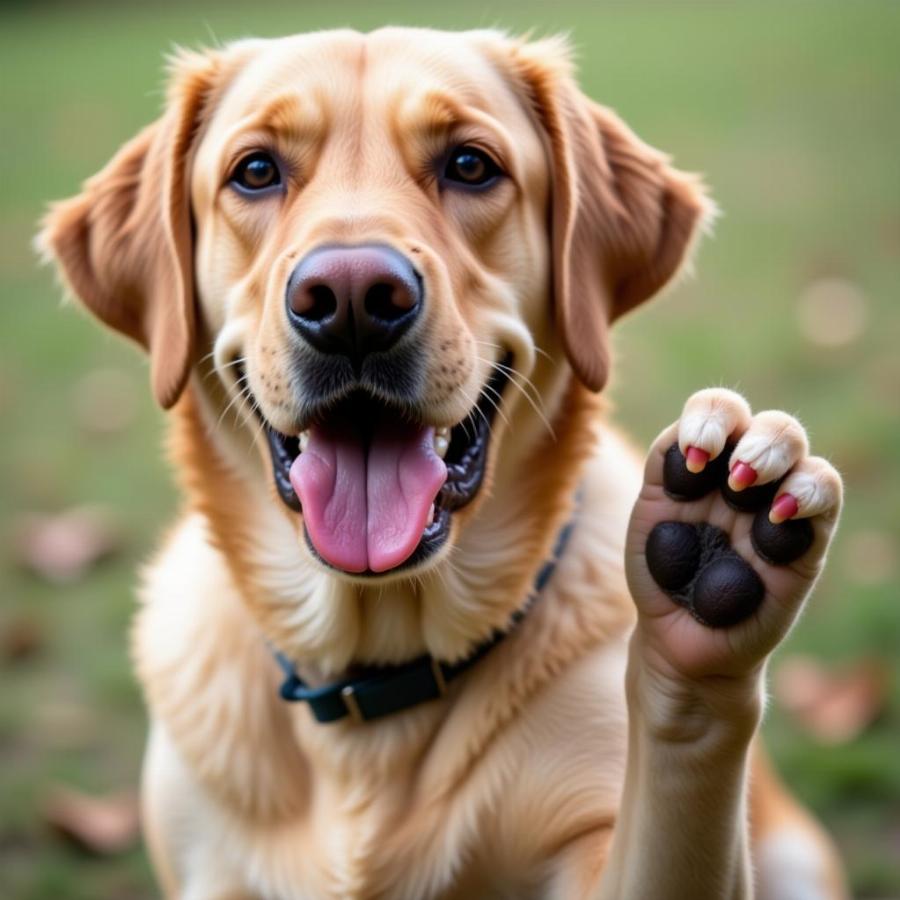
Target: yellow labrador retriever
(424, 629)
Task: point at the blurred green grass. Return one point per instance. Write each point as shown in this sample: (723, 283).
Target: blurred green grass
(791, 111)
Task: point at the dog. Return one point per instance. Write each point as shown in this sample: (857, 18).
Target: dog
(408, 639)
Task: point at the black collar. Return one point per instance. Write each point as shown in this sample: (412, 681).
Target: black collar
(390, 689)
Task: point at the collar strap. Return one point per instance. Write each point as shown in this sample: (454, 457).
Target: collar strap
(390, 689)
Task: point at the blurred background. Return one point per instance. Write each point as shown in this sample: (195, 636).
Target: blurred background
(792, 110)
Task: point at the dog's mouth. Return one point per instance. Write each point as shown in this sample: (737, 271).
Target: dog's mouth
(376, 487)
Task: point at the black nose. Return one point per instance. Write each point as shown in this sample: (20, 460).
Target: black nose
(353, 300)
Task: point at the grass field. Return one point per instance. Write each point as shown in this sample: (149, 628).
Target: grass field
(793, 112)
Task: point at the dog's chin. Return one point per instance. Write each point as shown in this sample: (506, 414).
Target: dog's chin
(465, 452)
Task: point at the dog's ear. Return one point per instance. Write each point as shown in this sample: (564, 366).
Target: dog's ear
(124, 244)
(622, 219)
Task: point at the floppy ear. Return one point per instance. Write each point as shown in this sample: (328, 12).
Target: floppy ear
(622, 219)
(124, 244)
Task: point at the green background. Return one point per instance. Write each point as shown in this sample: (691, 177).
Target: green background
(791, 111)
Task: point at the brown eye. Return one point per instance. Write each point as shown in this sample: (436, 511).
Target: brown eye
(256, 172)
(471, 167)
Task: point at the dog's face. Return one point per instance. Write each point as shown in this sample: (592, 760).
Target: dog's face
(371, 257)
(372, 241)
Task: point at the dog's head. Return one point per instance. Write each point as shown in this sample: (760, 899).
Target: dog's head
(375, 246)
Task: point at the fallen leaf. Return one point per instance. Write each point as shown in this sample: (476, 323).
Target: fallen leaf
(21, 637)
(101, 825)
(834, 706)
(62, 548)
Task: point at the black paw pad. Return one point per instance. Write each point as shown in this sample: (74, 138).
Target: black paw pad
(780, 544)
(680, 484)
(726, 592)
(673, 554)
(697, 567)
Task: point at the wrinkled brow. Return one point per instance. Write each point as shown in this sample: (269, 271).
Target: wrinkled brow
(432, 113)
(288, 116)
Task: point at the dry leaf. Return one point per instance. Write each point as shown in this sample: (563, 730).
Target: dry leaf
(834, 706)
(21, 637)
(61, 548)
(101, 825)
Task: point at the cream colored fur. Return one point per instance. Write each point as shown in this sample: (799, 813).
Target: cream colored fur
(603, 749)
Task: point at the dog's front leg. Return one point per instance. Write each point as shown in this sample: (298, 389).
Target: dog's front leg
(682, 830)
(725, 542)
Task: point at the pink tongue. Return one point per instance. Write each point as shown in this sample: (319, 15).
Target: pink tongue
(367, 510)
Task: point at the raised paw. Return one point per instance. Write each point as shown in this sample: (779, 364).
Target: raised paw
(728, 534)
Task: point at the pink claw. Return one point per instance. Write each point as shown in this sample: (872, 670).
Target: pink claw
(784, 507)
(696, 460)
(741, 476)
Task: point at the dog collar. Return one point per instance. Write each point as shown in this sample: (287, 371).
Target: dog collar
(389, 689)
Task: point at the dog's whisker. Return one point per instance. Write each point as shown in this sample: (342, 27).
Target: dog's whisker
(473, 406)
(513, 373)
(496, 403)
(514, 376)
(539, 350)
(490, 344)
(218, 370)
(463, 424)
(242, 394)
(539, 409)
(235, 399)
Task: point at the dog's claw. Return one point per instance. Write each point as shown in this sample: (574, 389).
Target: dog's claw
(750, 499)
(682, 484)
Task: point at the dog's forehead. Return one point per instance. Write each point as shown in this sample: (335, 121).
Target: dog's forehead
(342, 75)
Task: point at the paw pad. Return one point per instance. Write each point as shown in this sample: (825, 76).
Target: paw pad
(696, 564)
(780, 544)
(697, 567)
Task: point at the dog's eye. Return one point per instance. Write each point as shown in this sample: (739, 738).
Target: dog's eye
(256, 172)
(471, 166)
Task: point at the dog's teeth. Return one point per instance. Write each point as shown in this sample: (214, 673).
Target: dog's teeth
(430, 520)
(304, 440)
(441, 441)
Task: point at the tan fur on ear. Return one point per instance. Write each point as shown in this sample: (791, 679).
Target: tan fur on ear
(124, 244)
(622, 218)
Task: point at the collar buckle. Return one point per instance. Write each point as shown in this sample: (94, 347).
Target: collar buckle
(349, 697)
(438, 674)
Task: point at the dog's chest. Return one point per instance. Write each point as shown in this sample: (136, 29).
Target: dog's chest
(365, 847)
